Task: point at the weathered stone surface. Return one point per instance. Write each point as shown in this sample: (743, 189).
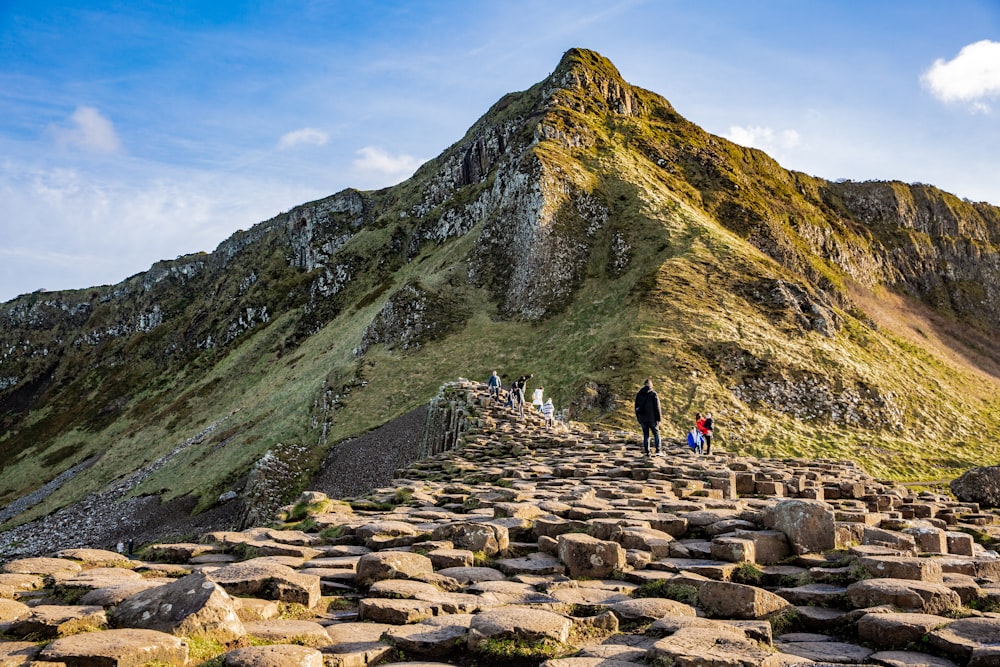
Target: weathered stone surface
(716, 646)
(357, 644)
(192, 606)
(960, 638)
(395, 612)
(647, 610)
(277, 655)
(117, 648)
(18, 654)
(535, 563)
(728, 600)
(530, 625)
(41, 565)
(978, 485)
(49, 621)
(490, 538)
(268, 580)
(903, 567)
(904, 594)
(814, 594)
(910, 659)
(288, 631)
(115, 594)
(896, 631)
(11, 610)
(381, 565)
(827, 651)
(433, 641)
(101, 557)
(587, 556)
(808, 524)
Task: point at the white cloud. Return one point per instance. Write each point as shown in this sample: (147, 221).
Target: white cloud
(970, 77)
(66, 227)
(764, 138)
(376, 159)
(89, 131)
(307, 135)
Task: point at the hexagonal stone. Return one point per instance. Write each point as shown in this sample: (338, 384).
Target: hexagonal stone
(289, 631)
(897, 630)
(118, 648)
(41, 566)
(725, 599)
(259, 578)
(276, 655)
(904, 594)
(524, 624)
(960, 638)
(647, 610)
(910, 659)
(191, 606)
(53, 620)
(381, 565)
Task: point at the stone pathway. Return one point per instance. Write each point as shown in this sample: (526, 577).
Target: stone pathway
(524, 545)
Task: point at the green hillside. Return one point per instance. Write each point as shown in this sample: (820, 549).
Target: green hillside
(581, 231)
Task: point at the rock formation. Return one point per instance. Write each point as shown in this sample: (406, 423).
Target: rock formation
(563, 546)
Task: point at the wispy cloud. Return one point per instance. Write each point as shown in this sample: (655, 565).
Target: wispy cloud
(970, 77)
(764, 138)
(88, 130)
(306, 136)
(379, 160)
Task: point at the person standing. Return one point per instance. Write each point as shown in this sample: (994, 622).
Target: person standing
(517, 396)
(536, 398)
(494, 385)
(647, 412)
(548, 412)
(707, 432)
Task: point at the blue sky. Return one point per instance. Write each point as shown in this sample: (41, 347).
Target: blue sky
(137, 131)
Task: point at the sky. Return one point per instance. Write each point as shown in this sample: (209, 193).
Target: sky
(135, 131)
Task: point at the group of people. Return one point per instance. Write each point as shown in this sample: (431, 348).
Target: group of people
(647, 413)
(515, 397)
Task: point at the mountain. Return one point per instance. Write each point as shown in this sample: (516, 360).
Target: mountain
(582, 231)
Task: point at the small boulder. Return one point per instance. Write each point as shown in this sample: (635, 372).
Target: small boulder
(191, 606)
(259, 578)
(978, 485)
(587, 556)
(808, 524)
(381, 565)
(725, 599)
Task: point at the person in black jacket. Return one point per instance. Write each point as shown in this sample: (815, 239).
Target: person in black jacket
(707, 432)
(647, 411)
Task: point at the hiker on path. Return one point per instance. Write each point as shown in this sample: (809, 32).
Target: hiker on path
(536, 398)
(548, 411)
(706, 432)
(647, 412)
(494, 385)
(517, 398)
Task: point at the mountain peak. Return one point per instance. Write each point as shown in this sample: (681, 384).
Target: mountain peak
(587, 74)
(586, 61)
